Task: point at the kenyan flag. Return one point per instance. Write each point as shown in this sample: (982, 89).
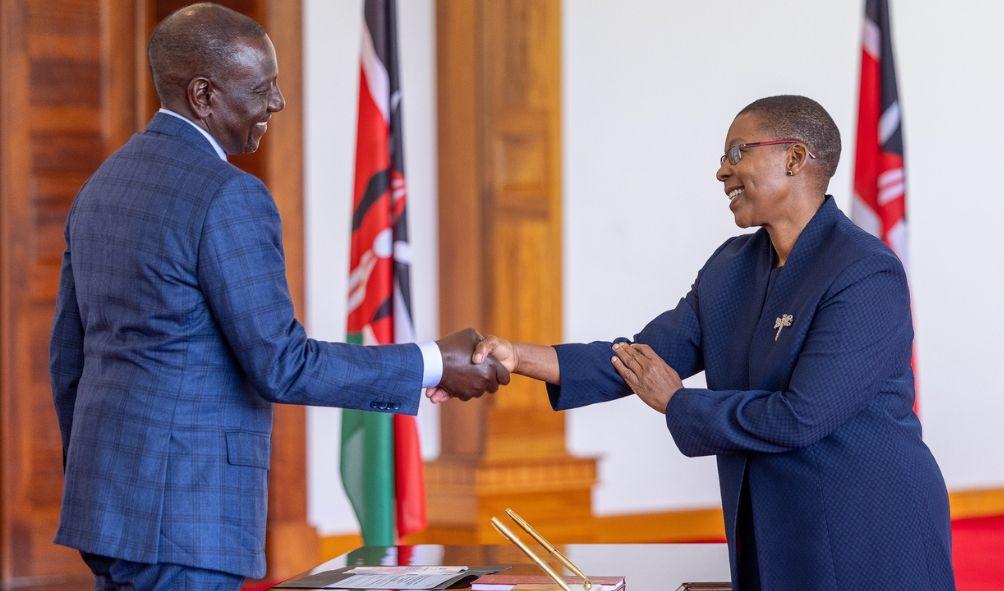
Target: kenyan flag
(381, 463)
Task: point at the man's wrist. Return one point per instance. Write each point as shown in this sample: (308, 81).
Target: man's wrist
(432, 364)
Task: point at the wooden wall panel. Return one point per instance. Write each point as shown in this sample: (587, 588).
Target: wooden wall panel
(64, 109)
(293, 544)
(74, 85)
(500, 265)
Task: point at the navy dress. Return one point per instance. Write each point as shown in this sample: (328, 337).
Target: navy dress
(808, 409)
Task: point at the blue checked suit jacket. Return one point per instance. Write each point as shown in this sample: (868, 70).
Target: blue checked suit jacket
(173, 335)
(818, 417)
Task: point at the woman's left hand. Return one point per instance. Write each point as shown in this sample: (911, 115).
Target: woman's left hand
(651, 378)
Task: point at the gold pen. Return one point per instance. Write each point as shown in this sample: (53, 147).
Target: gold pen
(502, 529)
(549, 547)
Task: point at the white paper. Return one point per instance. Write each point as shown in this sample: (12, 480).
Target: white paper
(409, 570)
(391, 581)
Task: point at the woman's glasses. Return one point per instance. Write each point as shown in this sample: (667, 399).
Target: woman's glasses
(735, 153)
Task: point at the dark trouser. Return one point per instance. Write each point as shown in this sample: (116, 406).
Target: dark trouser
(112, 574)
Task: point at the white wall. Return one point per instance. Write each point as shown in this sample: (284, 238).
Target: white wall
(332, 33)
(650, 88)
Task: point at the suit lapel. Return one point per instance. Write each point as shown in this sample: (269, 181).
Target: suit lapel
(754, 301)
(781, 309)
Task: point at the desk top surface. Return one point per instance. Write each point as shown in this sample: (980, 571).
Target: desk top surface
(647, 567)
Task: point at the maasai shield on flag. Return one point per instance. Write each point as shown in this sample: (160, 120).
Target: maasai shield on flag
(879, 178)
(381, 463)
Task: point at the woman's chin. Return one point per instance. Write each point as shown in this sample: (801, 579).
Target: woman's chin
(742, 211)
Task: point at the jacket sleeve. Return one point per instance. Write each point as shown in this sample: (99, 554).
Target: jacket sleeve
(242, 274)
(66, 349)
(588, 376)
(859, 340)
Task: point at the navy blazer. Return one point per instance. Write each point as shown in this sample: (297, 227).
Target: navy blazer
(809, 397)
(174, 333)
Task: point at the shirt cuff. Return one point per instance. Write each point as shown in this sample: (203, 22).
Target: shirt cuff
(432, 362)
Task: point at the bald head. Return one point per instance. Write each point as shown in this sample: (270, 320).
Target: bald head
(198, 40)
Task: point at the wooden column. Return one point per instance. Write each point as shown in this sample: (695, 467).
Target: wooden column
(67, 84)
(293, 544)
(499, 111)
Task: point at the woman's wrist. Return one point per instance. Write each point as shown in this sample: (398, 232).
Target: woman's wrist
(516, 358)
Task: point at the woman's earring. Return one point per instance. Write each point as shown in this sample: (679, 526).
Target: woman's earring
(790, 173)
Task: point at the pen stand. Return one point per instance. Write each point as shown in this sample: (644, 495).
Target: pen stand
(560, 585)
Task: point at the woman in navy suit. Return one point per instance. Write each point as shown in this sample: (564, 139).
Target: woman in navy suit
(804, 331)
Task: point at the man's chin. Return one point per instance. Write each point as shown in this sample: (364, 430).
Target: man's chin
(252, 145)
(253, 142)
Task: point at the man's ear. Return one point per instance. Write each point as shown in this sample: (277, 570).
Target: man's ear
(200, 97)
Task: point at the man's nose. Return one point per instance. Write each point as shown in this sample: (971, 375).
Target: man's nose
(278, 102)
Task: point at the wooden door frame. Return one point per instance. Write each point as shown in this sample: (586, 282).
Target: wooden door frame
(126, 107)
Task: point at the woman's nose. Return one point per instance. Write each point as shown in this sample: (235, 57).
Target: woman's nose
(724, 172)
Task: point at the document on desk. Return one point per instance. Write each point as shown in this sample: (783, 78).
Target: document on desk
(389, 577)
(397, 577)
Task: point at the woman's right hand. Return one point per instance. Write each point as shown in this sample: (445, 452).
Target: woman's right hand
(504, 352)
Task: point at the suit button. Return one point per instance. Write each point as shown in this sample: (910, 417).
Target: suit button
(375, 405)
(395, 406)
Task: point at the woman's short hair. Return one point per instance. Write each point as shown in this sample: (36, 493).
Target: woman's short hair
(790, 115)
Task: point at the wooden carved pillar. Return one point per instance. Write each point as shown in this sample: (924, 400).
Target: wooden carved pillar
(500, 266)
(293, 543)
(67, 80)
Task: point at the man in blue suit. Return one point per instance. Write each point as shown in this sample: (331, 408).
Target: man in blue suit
(174, 330)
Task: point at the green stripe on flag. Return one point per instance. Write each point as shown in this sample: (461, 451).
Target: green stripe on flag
(367, 468)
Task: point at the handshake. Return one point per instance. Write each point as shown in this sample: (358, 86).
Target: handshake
(472, 365)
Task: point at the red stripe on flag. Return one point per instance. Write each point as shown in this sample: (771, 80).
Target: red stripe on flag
(866, 162)
(879, 175)
(372, 139)
(409, 477)
(371, 259)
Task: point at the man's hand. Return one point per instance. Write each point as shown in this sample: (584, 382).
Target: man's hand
(462, 378)
(648, 376)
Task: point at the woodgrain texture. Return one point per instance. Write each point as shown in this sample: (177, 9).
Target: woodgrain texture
(74, 85)
(67, 84)
(498, 68)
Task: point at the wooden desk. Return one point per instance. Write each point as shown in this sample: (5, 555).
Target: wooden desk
(647, 567)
